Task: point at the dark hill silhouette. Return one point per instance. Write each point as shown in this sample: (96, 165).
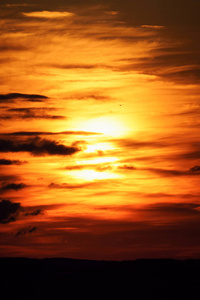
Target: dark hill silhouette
(61, 278)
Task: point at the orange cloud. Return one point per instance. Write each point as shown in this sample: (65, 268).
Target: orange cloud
(48, 14)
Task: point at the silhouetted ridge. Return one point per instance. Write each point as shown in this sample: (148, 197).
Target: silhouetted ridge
(139, 279)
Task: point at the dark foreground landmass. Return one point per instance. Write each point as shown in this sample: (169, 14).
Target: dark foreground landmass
(60, 278)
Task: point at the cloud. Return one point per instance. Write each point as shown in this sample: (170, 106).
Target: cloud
(127, 167)
(193, 154)
(173, 208)
(37, 133)
(98, 167)
(30, 113)
(8, 178)
(165, 172)
(35, 212)
(25, 231)
(179, 64)
(70, 186)
(152, 26)
(13, 47)
(9, 162)
(137, 144)
(19, 5)
(49, 14)
(92, 95)
(195, 170)
(37, 147)
(13, 186)
(14, 96)
(81, 66)
(8, 211)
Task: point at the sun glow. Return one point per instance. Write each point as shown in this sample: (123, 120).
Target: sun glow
(107, 125)
(99, 147)
(99, 160)
(93, 175)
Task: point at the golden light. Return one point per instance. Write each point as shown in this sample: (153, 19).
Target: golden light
(99, 147)
(107, 125)
(98, 160)
(90, 175)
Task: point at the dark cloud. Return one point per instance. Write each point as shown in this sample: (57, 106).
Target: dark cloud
(193, 154)
(176, 59)
(127, 167)
(37, 133)
(71, 186)
(8, 162)
(92, 95)
(136, 144)
(166, 173)
(30, 109)
(176, 209)
(195, 170)
(25, 231)
(186, 76)
(8, 178)
(160, 211)
(9, 211)
(159, 66)
(163, 172)
(80, 66)
(14, 96)
(37, 147)
(12, 186)
(14, 47)
(35, 212)
(30, 113)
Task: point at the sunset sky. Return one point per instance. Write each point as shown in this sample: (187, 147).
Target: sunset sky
(99, 129)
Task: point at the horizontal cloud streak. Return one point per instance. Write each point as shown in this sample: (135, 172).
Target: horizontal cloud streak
(14, 96)
(37, 133)
(48, 14)
(13, 186)
(37, 147)
(29, 113)
(9, 162)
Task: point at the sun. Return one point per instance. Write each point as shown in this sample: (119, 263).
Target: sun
(106, 125)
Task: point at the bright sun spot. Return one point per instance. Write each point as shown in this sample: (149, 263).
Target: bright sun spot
(98, 147)
(106, 125)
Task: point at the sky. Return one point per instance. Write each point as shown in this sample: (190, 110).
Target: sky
(99, 129)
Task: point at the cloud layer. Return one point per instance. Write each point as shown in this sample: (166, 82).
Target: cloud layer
(37, 146)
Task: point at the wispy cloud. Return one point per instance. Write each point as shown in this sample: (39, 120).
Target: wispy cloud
(14, 96)
(39, 133)
(152, 26)
(26, 230)
(30, 113)
(49, 14)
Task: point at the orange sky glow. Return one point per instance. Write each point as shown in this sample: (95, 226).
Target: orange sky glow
(99, 135)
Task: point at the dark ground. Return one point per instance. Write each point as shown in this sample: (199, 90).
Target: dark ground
(60, 278)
